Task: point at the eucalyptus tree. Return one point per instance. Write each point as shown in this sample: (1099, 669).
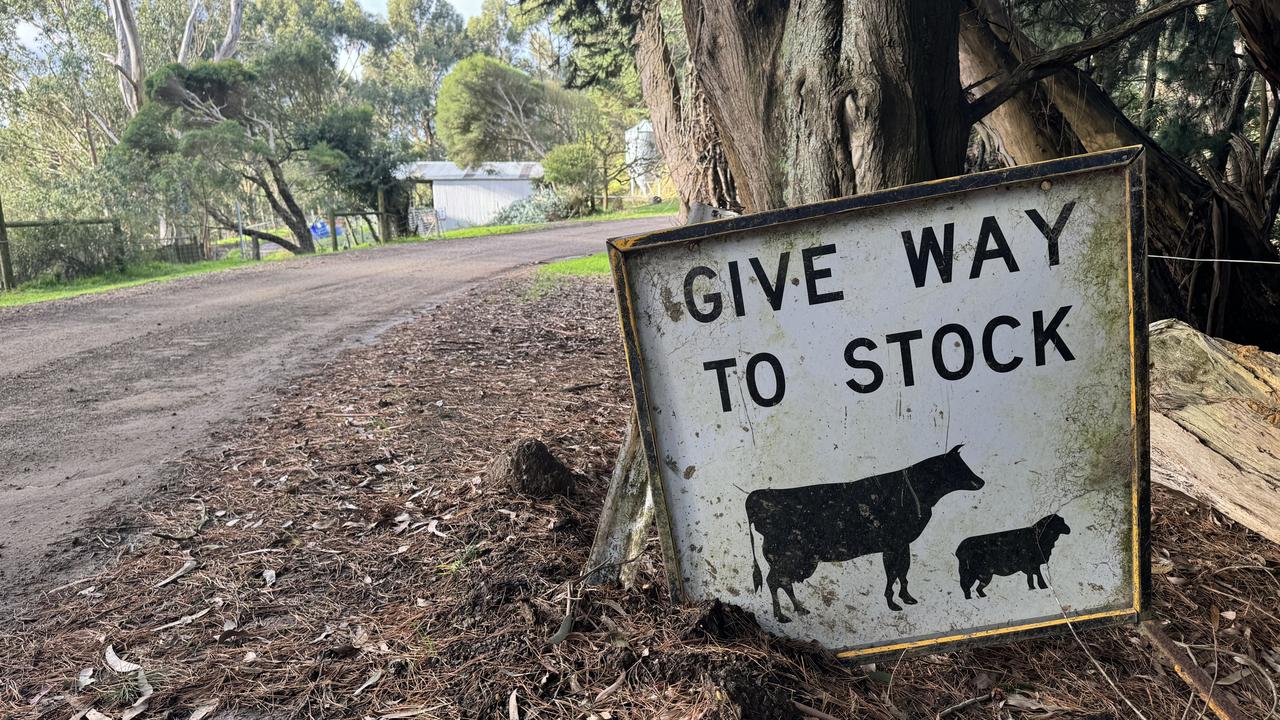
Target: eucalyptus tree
(273, 123)
(489, 110)
(402, 78)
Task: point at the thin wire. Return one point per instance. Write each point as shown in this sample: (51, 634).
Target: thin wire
(1220, 260)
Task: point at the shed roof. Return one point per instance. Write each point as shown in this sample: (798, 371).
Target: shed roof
(443, 170)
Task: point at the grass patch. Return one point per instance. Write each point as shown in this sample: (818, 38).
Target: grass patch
(552, 275)
(666, 207)
(597, 264)
(139, 274)
(483, 230)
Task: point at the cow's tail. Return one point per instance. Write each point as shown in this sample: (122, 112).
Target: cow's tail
(756, 576)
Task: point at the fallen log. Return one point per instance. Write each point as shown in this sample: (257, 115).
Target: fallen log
(1215, 424)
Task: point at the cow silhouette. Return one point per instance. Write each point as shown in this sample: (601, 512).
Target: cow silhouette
(1012, 551)
(832, 522)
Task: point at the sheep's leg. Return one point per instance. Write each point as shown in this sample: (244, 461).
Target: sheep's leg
(966, 579)
(889, 560)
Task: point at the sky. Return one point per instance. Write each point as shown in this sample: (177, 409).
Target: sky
(28, 34)
(468, 8)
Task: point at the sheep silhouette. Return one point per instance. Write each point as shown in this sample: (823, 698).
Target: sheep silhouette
(1006, 553)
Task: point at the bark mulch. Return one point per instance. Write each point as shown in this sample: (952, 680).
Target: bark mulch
(347, 556)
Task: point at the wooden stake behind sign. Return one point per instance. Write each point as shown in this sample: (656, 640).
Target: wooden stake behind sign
(624, 520)
(628, 506)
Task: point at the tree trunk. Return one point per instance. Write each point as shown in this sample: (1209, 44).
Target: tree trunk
(189, 33)
(1213, 420)
(1149, 87)
(231, 41)
(1028, 126)
(128, 62)
(818, 100)
(294, 217)
(285, 207)
(1259, 23)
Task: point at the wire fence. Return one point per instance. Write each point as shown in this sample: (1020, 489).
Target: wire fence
(67, 249)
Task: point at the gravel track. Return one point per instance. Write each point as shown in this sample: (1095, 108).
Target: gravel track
(99, 392)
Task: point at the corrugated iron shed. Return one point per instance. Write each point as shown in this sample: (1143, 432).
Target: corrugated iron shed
(432, 170)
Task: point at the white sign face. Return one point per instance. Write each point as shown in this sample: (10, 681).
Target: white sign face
(896, 421)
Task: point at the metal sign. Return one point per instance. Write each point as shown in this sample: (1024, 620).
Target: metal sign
(903, 420)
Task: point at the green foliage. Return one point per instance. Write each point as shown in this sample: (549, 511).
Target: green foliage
(489, 110)
(223, 84)
(571, 165)
(403, 78)
(149, 132)
(346, 149)
(1195, 70)
(600, 35)
(332, 21)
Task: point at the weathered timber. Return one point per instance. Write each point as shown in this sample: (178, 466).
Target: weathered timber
(625, 519)
(1215, 424)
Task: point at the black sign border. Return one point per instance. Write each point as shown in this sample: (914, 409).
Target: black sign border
(1131, 159)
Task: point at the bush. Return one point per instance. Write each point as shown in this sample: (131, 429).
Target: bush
(66, 252)
(542, 206)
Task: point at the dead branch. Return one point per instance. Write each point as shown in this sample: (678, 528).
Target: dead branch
(1044, 65)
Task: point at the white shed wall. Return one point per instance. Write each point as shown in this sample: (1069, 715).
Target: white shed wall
(475, 201)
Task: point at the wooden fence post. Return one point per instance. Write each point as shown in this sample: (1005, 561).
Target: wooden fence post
(384, 222)
(6, 261)
(332, 219)
(117, 239)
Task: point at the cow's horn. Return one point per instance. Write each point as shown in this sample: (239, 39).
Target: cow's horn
(957, 448)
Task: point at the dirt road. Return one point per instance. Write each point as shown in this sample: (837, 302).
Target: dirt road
(97, 393)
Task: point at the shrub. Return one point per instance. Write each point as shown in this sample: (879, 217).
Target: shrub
(542, 206)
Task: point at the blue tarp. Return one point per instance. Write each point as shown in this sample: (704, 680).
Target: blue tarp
(320, 229)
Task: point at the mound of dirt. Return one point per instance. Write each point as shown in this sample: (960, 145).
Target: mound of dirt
(528, 467)
(345, 557)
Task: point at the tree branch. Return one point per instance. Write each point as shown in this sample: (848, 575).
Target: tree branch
(1048, 63)
(188, 33)
(227, 224)
(232, 39)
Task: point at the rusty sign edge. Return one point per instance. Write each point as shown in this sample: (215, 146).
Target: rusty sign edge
(1132, 160)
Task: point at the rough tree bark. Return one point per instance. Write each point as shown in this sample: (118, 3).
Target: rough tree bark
(1214, 419)
(819, 100)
